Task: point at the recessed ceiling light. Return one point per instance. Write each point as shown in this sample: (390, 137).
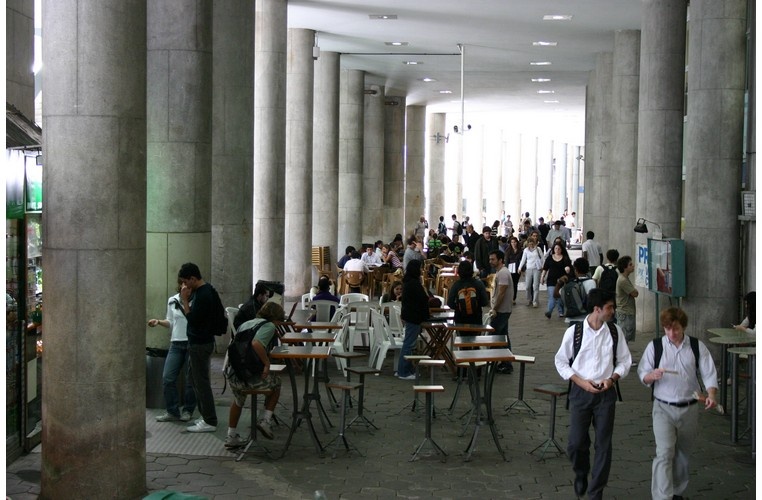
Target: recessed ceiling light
(544, 44)
(540, 80)
(445, 91)
(550, 102)
(382, 16)
(557, 17)
(427, 80)
(540, 63)
(396, 44)
(546, 91)
(412, 63)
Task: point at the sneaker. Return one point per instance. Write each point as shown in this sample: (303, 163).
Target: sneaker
(406, 377)
(186, 416)
(529, 303)
(547, 314)
(201, 426)
(167, 417)
(535, 304)
(265, 427)
(234, 441)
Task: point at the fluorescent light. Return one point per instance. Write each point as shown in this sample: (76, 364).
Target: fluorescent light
(546, 91)
(550, 102)
(557, 17)
(412, 63)
(396, 44)
(445, 91)
(544, 44)
(540, 63)
(540, 80)
(427, 80)
(382, 16)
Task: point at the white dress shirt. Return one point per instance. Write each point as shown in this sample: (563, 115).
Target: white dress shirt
(595, 359)
(371, 259)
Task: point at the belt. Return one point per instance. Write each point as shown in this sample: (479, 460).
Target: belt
(678, 405)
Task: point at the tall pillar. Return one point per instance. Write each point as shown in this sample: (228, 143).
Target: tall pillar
(597, 175)
(528, 180)
(561, 157)
(325, 154)
(94, 129)
(268, 221)
(394, 167)
(19, 38)
(714, 153)
(373, 165)
(624, 157)
(299, 93)
(576, 167)
(660, 127)
(544, 178)
(351, 109)
(472, 149)
(179, 157)
(513, 179)
(435, 168)
(493, 173)
(232, 151)
(415, 137)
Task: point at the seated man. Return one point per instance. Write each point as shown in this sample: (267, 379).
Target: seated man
(324, 290)
(249, 310)
(355, 264)
(347, 255)
(256, 354)
(370, 258)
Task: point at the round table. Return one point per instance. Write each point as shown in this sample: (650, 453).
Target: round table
(740, 338)
(751, 392)
(724, 332)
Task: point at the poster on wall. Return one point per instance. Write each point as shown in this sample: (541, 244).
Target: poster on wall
(666, 268)
(641, 266)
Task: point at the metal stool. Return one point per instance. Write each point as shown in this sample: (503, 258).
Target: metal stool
(254, 393)
(361, 371)
(345, 387)
(428, 390)
(414, 358)
(432, 364)
(553, 391)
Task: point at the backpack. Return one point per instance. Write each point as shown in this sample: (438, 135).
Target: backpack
(659, 349)
(468, 301)
(458, 227)
(574, 298)
(241, 359)
(608, 278)
(577, 344)
(442, 229)
(219, 321)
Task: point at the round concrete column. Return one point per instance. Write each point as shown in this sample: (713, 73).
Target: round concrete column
(528, 201)
(351, 121)
(415, 133)
(624, 157)
(178, 223)
(373, 166)
(492, 181)
(232, 151)
(94, 128)
(512, 176)
(435, 168)
(299, 91)
(268, 220)
(394, 167)
(660, 128)
(19, 34)
(714, 153)
(325, 154)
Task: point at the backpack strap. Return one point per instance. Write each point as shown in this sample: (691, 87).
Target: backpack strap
(577, 344)
(659, 350)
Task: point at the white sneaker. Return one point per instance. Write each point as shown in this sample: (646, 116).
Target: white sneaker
(265, 427)
(166, 417)
(201, 426)
(186, 416)
(234, 441)
(407, 377)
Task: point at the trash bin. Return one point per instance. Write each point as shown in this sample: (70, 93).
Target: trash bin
(155, 359)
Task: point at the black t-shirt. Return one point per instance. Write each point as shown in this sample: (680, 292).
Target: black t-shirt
(200, 315)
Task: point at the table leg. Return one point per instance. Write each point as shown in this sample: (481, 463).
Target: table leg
(300, 412)
(324, 420)
(476, 401)
(752, 403)
(520, 400)
(722, 377)
(488, 383)
(734, 399)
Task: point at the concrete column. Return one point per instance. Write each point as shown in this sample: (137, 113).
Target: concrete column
(19, 56)
(597, 176)
(232, 148)
(435, 168)
(576, 167)
(714, 153)
(514, 179)
(178, 222)
(472, 149)
(394, 167)
(660, 127)
(585, 175)
(493, 173)
(624, 157)
(351, 109)
(325, 154)
(268, 221)
(94, 136)
(528, 180)
(299, 99)
(373, 165)
(415, 142)
(544, 178)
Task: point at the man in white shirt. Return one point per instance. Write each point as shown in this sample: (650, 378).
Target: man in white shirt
(355, 264)
(675, 412)
(501, 304)
(592, 251)
(370, 258)
(601, 358)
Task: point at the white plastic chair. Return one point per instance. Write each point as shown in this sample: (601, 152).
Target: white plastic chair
(231, 314)
(353, 297)
(323, 309)
(359, 313)
(340, 344)
(393, 311)
(306, 299)
(382, 342)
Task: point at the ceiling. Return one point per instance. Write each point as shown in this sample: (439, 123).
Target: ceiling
(498, 36)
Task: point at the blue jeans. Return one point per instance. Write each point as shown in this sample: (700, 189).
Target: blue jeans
(200, 365)
(177, 358)
(552, 301)
(405, 367)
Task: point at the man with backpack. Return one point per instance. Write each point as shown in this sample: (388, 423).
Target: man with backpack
(605, 276)
(201, 305)
(249, 368)
(457, 228)
(672, 365)
(467, 296)
(574, 292)
(593, 355)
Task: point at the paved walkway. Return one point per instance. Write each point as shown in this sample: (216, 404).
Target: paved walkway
(199, 464)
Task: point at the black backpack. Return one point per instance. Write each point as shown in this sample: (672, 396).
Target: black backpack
(659, 349)
(609, 275)
(242, 360)
(574, 298)
(458, 227)
(219, 318)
